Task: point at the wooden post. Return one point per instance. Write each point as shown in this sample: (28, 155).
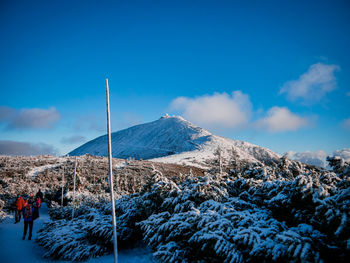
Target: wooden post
(75, 173)
(110, 160)
(220, 161)
(64, 170)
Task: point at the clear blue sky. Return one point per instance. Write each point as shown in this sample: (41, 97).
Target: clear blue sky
(55, 56)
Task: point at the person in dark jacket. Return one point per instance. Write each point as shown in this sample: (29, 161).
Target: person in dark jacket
(28, 212)
(30, 200)
(36, 205)
(40, 195)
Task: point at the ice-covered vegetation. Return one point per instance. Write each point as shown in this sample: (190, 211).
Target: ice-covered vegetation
(249, 212)
(26, 175)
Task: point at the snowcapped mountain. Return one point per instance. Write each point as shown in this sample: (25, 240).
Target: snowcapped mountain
(173, 140)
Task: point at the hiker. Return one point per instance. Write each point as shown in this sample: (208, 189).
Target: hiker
(28, 211)
(38, 202)
(19, 205)
(30, 200)
(36, 206)
(40, 195)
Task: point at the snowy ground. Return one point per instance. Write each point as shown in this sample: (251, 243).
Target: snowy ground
(14, 249)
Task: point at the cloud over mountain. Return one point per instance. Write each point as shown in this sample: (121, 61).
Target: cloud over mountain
(281, 119)
(220, 109)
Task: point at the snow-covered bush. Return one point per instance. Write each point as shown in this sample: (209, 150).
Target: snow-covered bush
(70, 239)
(228, 230)
(284, 212)
(258, 213)
(2, 214)
(90, 233)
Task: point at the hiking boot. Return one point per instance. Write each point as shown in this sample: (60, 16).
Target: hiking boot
(29, 238)
(23, 237)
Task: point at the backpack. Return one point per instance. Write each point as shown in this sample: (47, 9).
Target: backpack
(38, 202)
(28, 211)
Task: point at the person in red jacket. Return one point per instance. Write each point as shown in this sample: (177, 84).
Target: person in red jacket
(19, 203)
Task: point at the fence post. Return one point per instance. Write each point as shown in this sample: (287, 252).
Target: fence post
(110, 160)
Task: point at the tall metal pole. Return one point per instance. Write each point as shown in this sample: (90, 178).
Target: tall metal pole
(111, 176)
(75, 173)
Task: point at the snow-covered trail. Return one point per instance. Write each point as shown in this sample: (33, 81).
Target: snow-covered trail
(13, 249)
(34, 172)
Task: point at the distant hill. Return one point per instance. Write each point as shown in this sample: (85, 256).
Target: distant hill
(173, 140)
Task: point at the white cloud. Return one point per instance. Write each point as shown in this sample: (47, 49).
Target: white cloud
(317, 158)
(344, 153)
(28, 118)
(281, 119)
(25, 148)
(35, 118)
(312, 85)
(218, 110)
(346, 124)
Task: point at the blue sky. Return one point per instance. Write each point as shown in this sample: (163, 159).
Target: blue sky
(274, 73)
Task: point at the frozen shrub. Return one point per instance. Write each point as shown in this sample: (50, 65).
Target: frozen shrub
(282, 212)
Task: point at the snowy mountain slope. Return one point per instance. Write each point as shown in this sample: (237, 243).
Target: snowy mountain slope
(229, 149)
(177, 141)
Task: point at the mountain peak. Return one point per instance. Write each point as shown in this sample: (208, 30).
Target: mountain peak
(173, 137)
(167, 116)
(165, 136)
